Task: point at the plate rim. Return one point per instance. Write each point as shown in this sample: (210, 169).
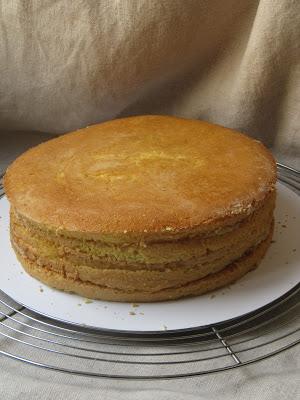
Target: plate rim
(168, 332)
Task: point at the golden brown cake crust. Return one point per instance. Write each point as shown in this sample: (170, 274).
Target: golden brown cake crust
(141, 176)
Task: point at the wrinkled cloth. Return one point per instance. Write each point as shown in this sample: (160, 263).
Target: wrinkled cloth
(67, 64)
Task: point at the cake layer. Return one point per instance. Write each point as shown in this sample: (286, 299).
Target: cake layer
(153, 266)
(213, 281)
(203, 256)
(141, 178)
(189, 250)
(131, 279)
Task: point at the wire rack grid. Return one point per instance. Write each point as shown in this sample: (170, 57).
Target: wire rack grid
(33, 339)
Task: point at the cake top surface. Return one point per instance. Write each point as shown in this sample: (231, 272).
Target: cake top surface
(145, 174)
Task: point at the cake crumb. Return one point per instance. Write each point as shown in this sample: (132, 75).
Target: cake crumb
(273, 241)
(141, 313)
(294, 250)
(212, 296)
(165, 327)
(132, 313)
(41, 289)
(283, 226)
(134, 305)
(105, 307)
(79, 304)
(88, 301)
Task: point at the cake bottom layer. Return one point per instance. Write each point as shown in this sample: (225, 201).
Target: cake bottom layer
(226, 276)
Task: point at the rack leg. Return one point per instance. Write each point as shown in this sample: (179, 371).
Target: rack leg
(227, 347)
(4, 317)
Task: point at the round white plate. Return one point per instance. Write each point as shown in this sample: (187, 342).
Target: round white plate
(277, 274)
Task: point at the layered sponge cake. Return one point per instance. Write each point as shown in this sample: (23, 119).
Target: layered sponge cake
(145, 208)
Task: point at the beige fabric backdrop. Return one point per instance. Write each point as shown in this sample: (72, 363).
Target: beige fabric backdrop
(65, 64)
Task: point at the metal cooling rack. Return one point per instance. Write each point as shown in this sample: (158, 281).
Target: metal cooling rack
(28, 337)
